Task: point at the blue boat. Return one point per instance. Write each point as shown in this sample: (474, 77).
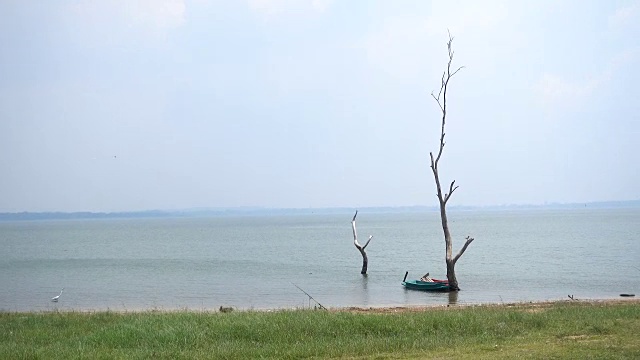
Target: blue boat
(426, 285)
(433, 285)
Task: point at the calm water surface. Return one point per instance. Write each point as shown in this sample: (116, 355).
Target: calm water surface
(253, 262)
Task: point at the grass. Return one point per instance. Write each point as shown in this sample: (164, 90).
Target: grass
(558, 330)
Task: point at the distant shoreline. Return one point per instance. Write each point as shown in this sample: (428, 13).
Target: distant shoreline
(260, 211)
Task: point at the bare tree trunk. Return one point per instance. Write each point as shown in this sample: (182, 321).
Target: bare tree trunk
(451, 275)
(365, 260)
(441, 99)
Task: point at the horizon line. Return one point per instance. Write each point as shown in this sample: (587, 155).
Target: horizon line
(250, 208)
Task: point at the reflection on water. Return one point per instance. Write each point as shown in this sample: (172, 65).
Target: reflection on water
(453, 297)
(364, 280)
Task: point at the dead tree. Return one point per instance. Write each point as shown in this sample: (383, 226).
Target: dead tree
(365, 260)
(441, 99)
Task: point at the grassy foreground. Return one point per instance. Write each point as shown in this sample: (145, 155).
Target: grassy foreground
(556, 330)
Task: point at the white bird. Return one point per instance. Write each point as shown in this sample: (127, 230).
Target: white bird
(55, 298)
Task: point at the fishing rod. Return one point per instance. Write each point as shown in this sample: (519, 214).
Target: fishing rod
(310, 297)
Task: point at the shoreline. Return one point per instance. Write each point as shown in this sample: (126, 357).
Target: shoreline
(352, 309)
(510, 305)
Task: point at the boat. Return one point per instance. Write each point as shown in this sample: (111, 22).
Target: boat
(435, 285)
(441, 285)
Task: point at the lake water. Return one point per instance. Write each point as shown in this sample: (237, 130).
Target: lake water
(253, 262)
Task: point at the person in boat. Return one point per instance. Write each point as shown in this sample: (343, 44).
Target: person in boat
(426, 278)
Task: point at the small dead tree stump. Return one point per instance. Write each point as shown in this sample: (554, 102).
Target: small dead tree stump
(365, 260)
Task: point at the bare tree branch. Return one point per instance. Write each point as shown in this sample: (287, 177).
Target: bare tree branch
(437, 101)
(355, 233)
(455, 72)
(464, 248)
(367, 243)
(451, 190)
(443, 83)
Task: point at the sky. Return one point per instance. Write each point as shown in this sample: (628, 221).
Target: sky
(126, 105)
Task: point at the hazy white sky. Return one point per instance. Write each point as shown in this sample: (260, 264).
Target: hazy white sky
(168, 104)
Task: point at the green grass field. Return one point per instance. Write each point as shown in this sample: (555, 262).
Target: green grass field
(559, 330)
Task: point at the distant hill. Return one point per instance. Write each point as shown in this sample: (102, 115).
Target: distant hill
(243, 211)
(81, 215)
(255, 211)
